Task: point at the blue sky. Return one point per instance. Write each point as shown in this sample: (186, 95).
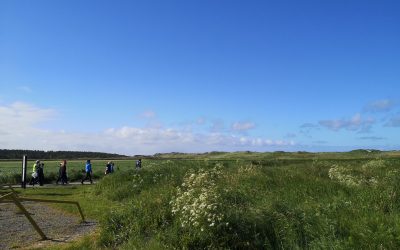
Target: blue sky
(141, 77)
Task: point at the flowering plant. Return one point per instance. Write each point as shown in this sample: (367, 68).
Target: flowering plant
(197, 202)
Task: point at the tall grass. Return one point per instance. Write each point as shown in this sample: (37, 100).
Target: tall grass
(251, 205)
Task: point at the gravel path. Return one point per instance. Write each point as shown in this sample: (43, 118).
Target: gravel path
(59, 227)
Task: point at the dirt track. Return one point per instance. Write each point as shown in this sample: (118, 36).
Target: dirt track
(59, 227)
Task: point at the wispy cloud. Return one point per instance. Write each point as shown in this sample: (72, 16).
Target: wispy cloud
(217, 126)
(151, 119)
(372, 138)
(25, 89)
(309, 125)
(290, 135)
(320, 142)
(201, 121)
(393, 121)
(384, 105)
(356, 123)
(242, 126)
(307, 128)
(148, 114)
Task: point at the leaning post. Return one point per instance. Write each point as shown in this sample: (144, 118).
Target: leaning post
(24, 166)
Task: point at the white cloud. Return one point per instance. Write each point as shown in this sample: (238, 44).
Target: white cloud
(168, 140)
(20, 129)
(242, 126)
(356, 123)
(19, 125)
(22, 117)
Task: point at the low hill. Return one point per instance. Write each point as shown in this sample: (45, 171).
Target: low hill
(359, 153)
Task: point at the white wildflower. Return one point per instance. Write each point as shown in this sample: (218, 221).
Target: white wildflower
(198, 200)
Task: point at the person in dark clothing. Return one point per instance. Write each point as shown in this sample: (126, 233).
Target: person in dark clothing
(88, 171)
(64, 177)
(112, 167)
(139, 164)
(62, 173)
(108, 168)
(40, 171)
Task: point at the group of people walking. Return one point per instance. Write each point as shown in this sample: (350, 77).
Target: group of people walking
(38, 173)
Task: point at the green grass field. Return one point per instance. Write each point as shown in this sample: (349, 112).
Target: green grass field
(245, 201)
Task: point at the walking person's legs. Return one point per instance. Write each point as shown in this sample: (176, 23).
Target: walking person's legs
(41, 177)
(59, 176)
(65, 178)
(87, 176)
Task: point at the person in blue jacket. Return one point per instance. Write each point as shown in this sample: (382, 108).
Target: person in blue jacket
(88, 170)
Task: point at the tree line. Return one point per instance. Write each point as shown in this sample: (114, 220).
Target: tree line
(40, 154)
